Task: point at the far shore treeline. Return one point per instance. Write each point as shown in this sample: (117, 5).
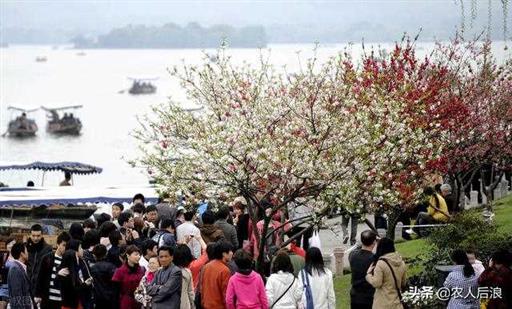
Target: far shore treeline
(172, 35)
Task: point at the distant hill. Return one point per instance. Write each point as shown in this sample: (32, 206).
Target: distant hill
(172, 35)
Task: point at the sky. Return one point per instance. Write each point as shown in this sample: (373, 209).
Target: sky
(97, 17)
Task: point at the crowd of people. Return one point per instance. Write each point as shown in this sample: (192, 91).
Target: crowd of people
(163, 256)
(379, 277)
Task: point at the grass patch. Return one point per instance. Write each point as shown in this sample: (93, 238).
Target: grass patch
(413, 248)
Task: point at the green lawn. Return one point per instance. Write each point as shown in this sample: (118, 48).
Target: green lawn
(413, 248)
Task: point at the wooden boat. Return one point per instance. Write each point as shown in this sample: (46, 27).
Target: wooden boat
(67, 124)
(142, 86)
(22, 126)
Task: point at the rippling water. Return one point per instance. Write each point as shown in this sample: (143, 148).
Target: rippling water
(108, 117)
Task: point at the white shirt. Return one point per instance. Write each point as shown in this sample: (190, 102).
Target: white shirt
(188, 228)
(322, 288)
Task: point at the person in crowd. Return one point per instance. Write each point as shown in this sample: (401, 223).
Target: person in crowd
(76, 230)
(105, 229)
(197, 264)
(180, 216)
(316, 281)
(498, 275)
(477, 265)
(283, 288)
(88, 225)
(128, 277)
(141, 294)
(245, 288)
(353, 217)
(127, 228)
(437, 211)
(241, 220)
(387, 274)
(67, 180)
(228, 230)
(48, 293)
(138, 199)
(117, 209)
(215, 277)
(360, 259)
(272, 242)
(166, 234)
(298, 261)
(101, 218)
(462, 277)
(115, 239)
(91, 239)
(149, 250)
(84, 273)
(209, 231)
(137, 210)
(71, 280)
(165, 208)
(298, 212)
(142, 228)
(446, 193)
(165, 290)
(183, 258)
(105, 291)
(6, 260)
(37, 248)
(188, 228)
(152, 219)
(20, 296)
(30, 183)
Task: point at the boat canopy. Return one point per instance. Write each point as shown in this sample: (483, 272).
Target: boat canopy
(73, 195)
(71, 167)
(60, 108)
(141, 79)
(28, 109)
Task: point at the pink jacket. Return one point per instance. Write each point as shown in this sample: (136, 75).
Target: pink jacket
(246, 292)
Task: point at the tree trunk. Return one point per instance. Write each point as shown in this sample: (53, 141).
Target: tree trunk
(394, 215)
(260, 262)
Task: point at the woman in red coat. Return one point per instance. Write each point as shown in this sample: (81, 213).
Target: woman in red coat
(128, 277)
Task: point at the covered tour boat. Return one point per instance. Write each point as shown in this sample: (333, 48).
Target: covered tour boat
(21, 126)
(65, 123)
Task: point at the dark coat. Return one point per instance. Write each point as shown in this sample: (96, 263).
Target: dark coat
(42, 289)
(166, 288)
(242, 229)
(36, 252)
(211, 233)
(229, 231)
(20, 296)
(105, 291)
(72, 289)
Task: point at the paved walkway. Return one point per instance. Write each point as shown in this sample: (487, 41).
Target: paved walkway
(333, 237)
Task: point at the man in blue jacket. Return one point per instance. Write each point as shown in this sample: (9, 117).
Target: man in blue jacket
(20, 296)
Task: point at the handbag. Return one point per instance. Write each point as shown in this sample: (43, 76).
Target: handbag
(282, 295)
(315, 241)
(404, 304)
(307, 290)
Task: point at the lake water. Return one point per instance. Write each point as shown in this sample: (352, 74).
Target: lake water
(108, 117)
